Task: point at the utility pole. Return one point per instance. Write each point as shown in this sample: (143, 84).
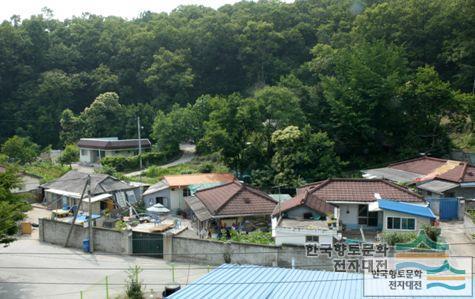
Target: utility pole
(76, 211)
(140, 146)
(89, 221)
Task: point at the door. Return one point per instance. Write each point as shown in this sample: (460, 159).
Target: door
(147, 244)
(448, 208)
(373, 219)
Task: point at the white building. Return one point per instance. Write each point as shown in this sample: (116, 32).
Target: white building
(92, 150)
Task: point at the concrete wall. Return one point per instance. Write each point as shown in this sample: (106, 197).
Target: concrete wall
(106, 240)
(468, 225)
(420, 221)
(214, 252)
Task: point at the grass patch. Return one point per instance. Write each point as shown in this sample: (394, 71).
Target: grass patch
(46, 170)
(393, 238)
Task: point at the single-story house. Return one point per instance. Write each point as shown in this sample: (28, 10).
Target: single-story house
(304, 218)
(230, 204)
(172, 189)
(433, 177)
(107, 192)
(92, 150)
(356, 197)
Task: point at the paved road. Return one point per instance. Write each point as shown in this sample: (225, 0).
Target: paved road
(454, 234)
(188, 155)
(32, 253)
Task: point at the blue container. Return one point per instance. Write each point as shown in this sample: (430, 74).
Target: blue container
(85, 245)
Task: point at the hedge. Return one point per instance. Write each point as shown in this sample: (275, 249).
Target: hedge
(133, 163)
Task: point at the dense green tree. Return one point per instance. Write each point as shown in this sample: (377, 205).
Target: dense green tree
(170, 76)
(20, 149)
(70, 154)
(12, 208)
(103, 118)
(301, 155)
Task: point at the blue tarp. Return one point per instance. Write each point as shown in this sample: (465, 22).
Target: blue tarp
(406, 208)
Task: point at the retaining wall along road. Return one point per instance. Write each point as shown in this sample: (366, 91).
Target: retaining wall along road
(106, 240)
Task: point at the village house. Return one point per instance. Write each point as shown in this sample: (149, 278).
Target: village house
(357, 202)
(304, 218)
(107, 192)
(92, 150)
(433, 177)
(172, 189)
(233, 204)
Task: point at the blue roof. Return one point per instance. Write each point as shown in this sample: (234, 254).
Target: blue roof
(406, 208)
(250, 281)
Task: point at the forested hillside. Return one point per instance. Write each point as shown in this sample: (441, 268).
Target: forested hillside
(276, 88)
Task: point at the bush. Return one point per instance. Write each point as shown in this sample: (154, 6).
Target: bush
(255, 237)
(393, 238)
(432, 232)
(133, 163)
(134, 286)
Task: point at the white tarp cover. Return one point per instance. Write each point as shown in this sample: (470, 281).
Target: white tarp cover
(158, 208)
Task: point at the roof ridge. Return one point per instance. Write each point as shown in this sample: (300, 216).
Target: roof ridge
(417, 159)
(214, 187)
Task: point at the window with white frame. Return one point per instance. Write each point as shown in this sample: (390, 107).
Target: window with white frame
(401, 223)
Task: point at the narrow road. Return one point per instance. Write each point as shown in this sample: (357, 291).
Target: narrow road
(30, 269)
(460, 244)
(188, 155)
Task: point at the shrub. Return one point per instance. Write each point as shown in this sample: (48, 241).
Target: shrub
(432, 232)
(132, 163)
(398, 237)
(134, 286)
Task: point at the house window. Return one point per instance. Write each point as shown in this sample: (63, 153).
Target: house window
(401, 223)
(362, 214)
(450, 194)
(83, 152)
(429, 193)
(159, 200)
(311, 239)
(186, 192)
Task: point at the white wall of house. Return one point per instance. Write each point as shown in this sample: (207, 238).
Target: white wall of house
(90, 155)
(153, 198)
(298, 236)
(419, 221)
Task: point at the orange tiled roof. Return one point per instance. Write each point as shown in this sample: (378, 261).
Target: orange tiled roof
(197, 178)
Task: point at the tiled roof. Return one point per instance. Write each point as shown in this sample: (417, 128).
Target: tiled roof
(449, 170)
(113, 144)
(236, 198)
(305, 199)
(360, 190)
(197, 178)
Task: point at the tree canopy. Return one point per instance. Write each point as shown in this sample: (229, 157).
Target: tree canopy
(381, 80)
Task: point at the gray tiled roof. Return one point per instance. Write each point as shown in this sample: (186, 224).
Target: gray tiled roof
(74, 181)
